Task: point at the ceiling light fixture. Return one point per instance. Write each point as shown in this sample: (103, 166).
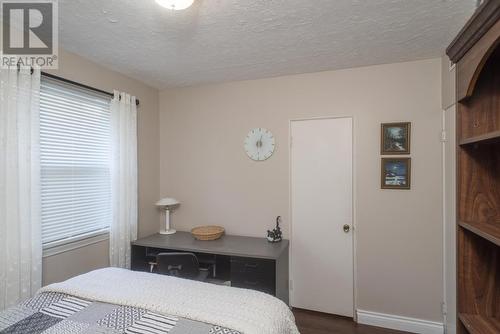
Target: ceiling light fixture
(175, 4)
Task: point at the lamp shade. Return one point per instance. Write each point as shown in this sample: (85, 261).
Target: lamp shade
(167, 201)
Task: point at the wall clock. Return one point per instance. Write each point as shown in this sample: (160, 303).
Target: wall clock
(259, 144)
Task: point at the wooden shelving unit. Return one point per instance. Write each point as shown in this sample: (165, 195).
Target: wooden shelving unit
(477, 324)
(488, 138)
(489, 232)
(476, 51)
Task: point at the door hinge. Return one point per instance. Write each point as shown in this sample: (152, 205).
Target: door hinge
(444, 137)
(291, 285)
(444, 309)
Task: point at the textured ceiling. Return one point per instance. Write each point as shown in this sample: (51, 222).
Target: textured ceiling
(225, 40)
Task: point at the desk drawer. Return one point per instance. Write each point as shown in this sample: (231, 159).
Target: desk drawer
(254, 281)
(255, 274)
(251, 265)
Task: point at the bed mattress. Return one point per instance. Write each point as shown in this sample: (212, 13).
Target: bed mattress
(114, 301)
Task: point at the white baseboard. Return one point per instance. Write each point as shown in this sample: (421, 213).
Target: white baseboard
(396, 322)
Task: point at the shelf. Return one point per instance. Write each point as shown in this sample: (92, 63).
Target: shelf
(488, 138)
(478, 324)
(489, 232)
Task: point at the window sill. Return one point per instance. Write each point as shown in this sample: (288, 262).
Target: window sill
(69, 244)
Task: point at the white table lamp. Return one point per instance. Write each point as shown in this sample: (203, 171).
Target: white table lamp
(167, 204)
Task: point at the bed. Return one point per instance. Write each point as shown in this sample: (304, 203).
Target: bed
(114, 301)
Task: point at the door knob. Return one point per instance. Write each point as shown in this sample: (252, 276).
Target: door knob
(347, 228)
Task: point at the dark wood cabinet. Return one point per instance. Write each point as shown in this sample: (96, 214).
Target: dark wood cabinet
(476, 51)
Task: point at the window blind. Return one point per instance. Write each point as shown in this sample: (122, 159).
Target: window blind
(75, 147)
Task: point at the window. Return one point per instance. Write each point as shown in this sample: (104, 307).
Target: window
(75, 147)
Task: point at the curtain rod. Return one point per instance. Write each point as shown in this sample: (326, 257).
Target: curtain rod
(81, 85)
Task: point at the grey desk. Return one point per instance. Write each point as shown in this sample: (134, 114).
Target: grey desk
(251, 263)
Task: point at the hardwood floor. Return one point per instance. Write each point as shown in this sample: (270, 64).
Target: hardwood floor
(310, 322)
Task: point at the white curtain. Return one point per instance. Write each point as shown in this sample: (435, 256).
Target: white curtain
(20, 222)
(124, 178)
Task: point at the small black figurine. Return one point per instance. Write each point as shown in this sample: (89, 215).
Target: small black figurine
(275, 235)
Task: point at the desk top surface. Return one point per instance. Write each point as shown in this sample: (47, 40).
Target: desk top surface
(230, 245)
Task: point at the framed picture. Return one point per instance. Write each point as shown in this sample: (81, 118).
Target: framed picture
(396, 173)
(395, 138)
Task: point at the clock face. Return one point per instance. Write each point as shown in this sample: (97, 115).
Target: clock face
(259, 144)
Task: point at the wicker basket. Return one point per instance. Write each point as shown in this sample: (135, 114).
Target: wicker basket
(207, 232)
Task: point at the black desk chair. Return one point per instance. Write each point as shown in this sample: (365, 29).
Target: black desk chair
(183, 265)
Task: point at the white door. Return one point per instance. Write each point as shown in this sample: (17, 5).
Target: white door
(321, 194)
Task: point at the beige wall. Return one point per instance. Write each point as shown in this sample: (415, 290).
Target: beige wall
(76, 68)
(399, 233)
(65, 265)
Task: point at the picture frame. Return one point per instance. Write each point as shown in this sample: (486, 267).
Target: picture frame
(395, 138)
(396, 173)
